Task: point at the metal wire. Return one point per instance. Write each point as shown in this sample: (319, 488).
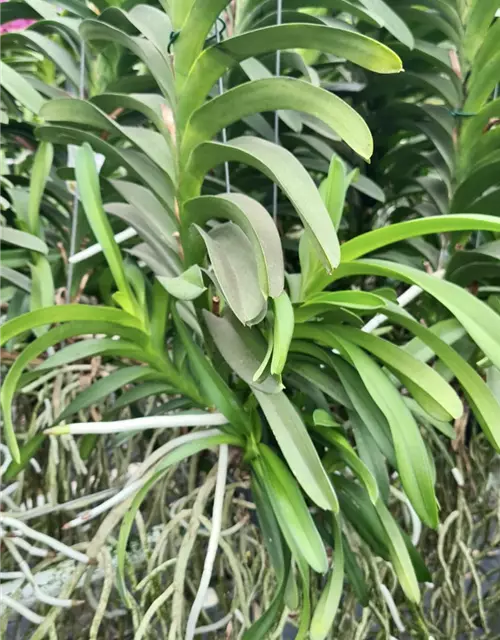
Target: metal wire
(220, 85)
(74, 209)
(277, 72)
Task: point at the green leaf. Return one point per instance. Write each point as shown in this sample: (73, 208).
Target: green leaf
(484, 404)
(355, 574)
(481, 15)
(370, 454)
(400, 557)
(40, 171)
(373, 240)
(297, 448)
(362, 300)
(333, 190)
(89, 190)
(328, 604)
(411, 453)
(188, 286)
(429, 388)
(42, 284)
(23, 239)
(26, 453)
(19, 280)
(20, 89)
(290, 508)
(391, 21)
(283, 332)
(243, 348)
(212, 63)
(258, 226)
(342, 448)
(104, 387)
(212, 385)
(322, 418)
(68, 313)
(235, 269)
(283, 168)
(277, 93)
(478, 319)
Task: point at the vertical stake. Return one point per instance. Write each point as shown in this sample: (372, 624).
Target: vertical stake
(74, 209)
(220, 83)
(277, 72)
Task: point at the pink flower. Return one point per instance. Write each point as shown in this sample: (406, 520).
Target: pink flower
(15, 25)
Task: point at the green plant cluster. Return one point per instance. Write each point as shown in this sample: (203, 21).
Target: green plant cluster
(216, 305)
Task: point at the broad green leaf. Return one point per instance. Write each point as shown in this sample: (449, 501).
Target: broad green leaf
(89, 190)
(81, 112)
(23, 239)
(326, 609)
(434, 393)
(20, 89)
(258, 226)
(271, 94)
(49, 49)
(373, 240)
(188, 286)
(243, 348)
(42, 165)
(370, 454)
(400, 557)
(482, 83)
(280, 166)
(290, 508)
(235, 268)
(271, 534)
(282, 332)
(297, 448)
(219, 58)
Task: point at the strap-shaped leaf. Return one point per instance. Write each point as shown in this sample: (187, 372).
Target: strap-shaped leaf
(478, 319)
(484, 404)
(41, 344)
(235, 268)
(269, 95)
(90, 195)
(290, 508)
(432, 388)
(219, 58)
(188, 286)
(373, 240)
(392, 22)
(282, 333)
(481, 14)
(257, 224)
(82, 112)
(411, 453)
(23, 239)
(326, 609)
(283, 168)
(20, 89)
(97, 31)
(243, 348)
(42, 165)
(297, 448)
(214, 388)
